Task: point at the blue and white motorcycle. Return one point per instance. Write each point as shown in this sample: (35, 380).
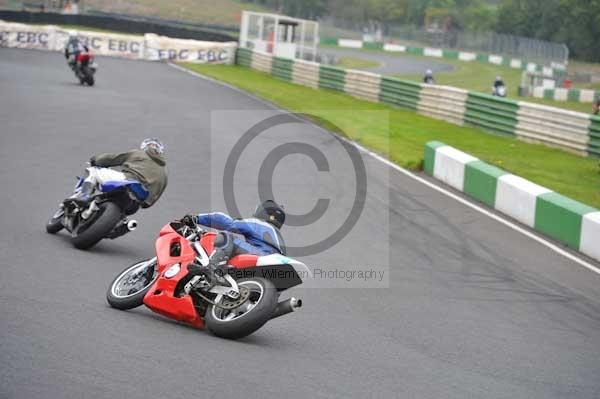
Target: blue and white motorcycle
(103, 215)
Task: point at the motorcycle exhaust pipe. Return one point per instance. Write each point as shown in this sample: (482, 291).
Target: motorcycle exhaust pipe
(287, 306)
(132, 225)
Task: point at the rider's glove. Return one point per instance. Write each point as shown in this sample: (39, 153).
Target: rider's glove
(189, 220)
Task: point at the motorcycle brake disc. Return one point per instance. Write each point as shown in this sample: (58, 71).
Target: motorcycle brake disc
(228, 303)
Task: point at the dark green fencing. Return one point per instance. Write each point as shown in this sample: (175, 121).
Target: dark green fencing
(332, 78)
(494, 114)
(415, 50)
(373, 45)
(399, 92)
(450, 53)
(594, 142)
(328, 41)
(282, 68)
(243, 57)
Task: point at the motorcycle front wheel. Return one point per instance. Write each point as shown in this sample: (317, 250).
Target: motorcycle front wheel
(90, 232)
(54, 224)
(128, 289)
(248, 317)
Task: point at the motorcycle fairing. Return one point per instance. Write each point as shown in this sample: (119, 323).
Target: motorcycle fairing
(161, 296)
(135, 186)
(83, 57)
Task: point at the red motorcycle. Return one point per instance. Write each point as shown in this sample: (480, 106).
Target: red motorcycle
(85, 68)
(232, 301)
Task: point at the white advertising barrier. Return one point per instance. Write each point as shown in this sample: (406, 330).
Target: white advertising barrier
(27, 36)
(149, 46)
(165, 48)
(350, 43)
(110, 44)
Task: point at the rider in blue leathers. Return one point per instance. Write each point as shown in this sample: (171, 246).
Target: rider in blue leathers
(261, 232)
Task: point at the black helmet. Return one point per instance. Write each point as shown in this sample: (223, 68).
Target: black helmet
(270, 212)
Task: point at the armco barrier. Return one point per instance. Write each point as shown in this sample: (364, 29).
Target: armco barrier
(594, 133)
(306, 74)
(562, 94)
(147, 47)
(363, 85)
(332, 78)
(282, 68)
(570, 222)
(244, 57)
(498, 115)
(441, 102)
(556, 127)
(400, 93)
(262, 62)
(572, 131)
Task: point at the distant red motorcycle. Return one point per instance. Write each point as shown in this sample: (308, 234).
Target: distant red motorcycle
(232, 302)
(85, 68)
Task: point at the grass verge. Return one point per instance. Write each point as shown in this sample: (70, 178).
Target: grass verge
(356, 63)
(408, 132)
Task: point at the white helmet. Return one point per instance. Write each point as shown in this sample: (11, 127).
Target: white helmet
(152, 144)
(429, 72)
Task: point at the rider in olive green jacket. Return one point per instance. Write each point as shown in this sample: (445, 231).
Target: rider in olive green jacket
(146, 165)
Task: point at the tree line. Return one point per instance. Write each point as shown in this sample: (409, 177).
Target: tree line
(574, 22)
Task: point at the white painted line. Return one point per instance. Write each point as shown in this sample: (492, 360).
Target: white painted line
(410, 174)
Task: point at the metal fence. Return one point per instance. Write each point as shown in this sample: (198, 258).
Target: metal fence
(487, 42)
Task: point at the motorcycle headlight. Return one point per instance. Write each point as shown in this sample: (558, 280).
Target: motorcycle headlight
(172, 270)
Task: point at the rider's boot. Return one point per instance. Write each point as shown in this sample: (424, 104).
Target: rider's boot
(216, 264)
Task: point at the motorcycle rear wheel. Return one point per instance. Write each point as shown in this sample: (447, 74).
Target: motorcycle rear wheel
(105, 219)
(88, 76)
(122, 298)
(250, 316)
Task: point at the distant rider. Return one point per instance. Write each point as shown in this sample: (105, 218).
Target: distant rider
(261, 232)
(146, 165)
(428, 78)
(498, 82)
(73, 48)
(596, 106)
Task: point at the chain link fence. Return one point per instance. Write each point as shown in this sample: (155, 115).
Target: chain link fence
(486, 42)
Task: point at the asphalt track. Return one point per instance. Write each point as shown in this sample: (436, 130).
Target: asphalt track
(473, 309)
(390, 64)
